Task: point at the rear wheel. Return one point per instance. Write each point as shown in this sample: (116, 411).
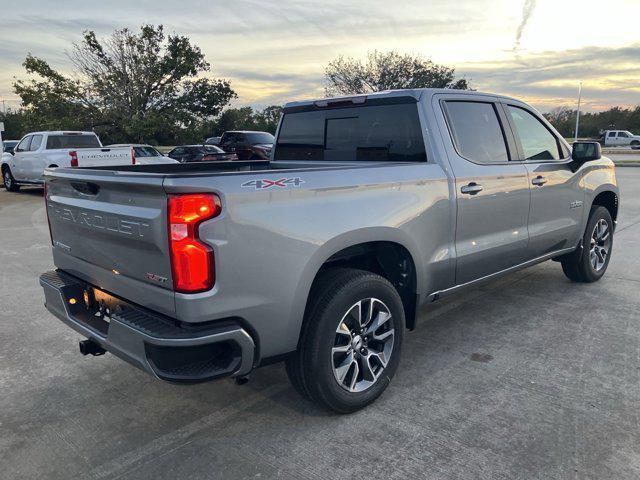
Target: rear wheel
(350, 346)
(9, 182)
(589, 263)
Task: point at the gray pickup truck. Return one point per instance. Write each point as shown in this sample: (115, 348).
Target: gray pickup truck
(369, 208)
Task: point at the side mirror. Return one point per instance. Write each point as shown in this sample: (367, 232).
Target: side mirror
(583, 152)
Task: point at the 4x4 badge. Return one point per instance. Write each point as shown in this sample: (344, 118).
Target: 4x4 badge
(280, 183)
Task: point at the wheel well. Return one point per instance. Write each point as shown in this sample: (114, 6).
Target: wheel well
(608, 200)
(53, 165)
(387, 259)
(4, 168)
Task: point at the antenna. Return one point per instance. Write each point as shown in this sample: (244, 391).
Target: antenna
(575, 139)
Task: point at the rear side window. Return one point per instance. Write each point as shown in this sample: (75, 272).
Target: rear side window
(72, 141)
(538, 143)
(612, 134)
(366, 133)
(476, 131)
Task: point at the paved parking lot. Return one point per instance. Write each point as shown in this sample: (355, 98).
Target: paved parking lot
(528, 377)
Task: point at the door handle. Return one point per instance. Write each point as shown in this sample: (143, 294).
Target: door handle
(539, 181)
(471, 189)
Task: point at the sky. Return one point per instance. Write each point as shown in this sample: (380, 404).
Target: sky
(274, 51)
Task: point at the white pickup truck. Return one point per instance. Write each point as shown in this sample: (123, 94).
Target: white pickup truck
(621, 138)
(39, 150)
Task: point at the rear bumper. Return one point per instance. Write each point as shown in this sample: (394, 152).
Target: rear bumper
(156, 344)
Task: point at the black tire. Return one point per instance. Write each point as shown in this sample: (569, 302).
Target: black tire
(8, 180)
(578, 266)
(311, 367)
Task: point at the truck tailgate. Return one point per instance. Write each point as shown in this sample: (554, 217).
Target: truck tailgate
(110, 229)
(96, 157)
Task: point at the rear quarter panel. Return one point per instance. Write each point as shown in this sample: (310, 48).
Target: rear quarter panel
(270, 243)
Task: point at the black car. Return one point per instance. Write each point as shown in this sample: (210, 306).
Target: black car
(248, 145)
(200, 153)
(9, 145)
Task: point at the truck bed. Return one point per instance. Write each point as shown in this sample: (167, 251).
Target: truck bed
(174, 170)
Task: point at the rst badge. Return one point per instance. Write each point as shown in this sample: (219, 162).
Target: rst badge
(280, 183)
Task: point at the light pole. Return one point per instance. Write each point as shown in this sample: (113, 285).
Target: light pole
(575, 139)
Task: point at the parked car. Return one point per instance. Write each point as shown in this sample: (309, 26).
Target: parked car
(200, 153)
(248, 145)
(212, 141)
(39, 150)
(372, 207)
(9, 145)
(621, 138)
(145, 154)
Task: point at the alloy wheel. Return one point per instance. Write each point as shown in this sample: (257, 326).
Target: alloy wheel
(363, 345)
(600, 245)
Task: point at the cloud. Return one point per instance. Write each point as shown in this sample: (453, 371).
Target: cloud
(609, 76)
(527, 9)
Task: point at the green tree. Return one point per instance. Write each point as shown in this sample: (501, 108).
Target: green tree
(387, 71)
(141, 86)
(246, 118)
(592, 124)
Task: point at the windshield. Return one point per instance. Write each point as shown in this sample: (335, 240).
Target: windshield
(260, 137)
(142, 152)
(369, 133)
(72, 141)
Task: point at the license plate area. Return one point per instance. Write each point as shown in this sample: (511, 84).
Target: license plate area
(91, 307)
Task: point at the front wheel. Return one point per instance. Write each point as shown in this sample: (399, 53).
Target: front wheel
(9, 182)
(350, 345)
(589, 263)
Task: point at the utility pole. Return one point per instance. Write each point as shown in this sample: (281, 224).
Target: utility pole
(578, 112)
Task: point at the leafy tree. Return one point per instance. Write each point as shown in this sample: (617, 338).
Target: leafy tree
(16, 123)
(246, 118)
(593, 123)
(387, 71)
(132, 86)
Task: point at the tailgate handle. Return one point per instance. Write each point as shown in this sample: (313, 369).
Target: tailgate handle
(87, 188)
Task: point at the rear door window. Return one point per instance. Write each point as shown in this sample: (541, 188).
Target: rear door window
(476, 131)
(538, 143)
(364, 133)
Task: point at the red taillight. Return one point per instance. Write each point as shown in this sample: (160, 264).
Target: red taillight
(74, 158)
(192, 262)
(133, 156)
